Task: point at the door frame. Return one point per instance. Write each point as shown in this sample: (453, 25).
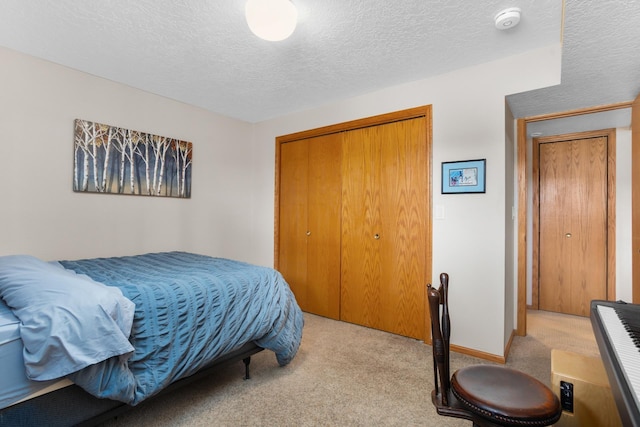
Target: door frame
(635, 200)
(610, 134)
(523, 182)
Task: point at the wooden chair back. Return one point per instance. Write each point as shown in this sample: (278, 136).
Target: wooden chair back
(440, 334)
(514, 399)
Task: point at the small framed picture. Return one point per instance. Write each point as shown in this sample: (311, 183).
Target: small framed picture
(467, 176)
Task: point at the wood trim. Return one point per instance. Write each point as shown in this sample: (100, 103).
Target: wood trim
(424, 111)
(611, 215)
(429, 225)
(535, 208)
(578, 112)
(479, 354)
(610, 134)
(507, 348)
(635, 200)
(276, 214)
(521, 328)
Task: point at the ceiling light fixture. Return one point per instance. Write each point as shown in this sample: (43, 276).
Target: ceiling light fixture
(271, 20)
(507, 18)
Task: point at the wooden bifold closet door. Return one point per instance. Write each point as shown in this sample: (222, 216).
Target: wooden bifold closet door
(309, 250)
(384, 209)
(573, 224)
(353, 220)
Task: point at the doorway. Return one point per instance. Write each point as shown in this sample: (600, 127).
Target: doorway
(573, 221)
(524, 236)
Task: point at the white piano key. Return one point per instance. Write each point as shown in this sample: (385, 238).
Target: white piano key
(625, 349)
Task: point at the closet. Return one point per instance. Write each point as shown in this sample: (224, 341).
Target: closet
(353, 233)
(309, 222)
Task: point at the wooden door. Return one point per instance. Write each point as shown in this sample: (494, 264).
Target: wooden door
(384, 210)
(309, 222)
(572, 224)
(361, 301)
(294, 162)
(404, 181)
(323, 226)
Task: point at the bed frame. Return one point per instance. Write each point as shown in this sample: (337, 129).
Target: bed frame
(70, 406)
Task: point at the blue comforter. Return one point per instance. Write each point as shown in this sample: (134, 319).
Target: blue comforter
(189, 310)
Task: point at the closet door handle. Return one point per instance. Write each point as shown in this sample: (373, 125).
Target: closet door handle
(376, 236)
(568, 235)
(308, 233)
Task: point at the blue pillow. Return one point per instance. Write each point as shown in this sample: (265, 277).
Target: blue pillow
(67, 320)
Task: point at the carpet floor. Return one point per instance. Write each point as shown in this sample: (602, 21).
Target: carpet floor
(347, 375)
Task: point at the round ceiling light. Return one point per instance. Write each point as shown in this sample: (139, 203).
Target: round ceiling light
(507, 18)
(271, 20)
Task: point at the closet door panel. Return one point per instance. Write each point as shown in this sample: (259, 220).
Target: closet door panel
(589, 249)
(403, 186)
(293, 217)
(323, 239)
(361, 263)
(384, 209)
(573, 225)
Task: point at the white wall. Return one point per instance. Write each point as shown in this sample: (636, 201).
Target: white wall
(42, 216)
(511, 226)
(231, 210)
(624, 251)
(468, 123)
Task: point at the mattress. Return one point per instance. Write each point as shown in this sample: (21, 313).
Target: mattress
(14, 385)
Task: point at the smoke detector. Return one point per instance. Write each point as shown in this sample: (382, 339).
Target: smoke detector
(507, 18)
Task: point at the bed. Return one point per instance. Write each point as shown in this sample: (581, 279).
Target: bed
(110, 333)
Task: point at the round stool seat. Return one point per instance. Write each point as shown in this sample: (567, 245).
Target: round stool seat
(505, 395)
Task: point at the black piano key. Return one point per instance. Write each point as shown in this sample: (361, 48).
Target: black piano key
(630, 319)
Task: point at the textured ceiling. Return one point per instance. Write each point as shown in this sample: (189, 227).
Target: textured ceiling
(600, 66)
(201, 52)
(600, 59)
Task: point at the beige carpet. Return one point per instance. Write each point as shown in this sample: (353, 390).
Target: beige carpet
(347, 375)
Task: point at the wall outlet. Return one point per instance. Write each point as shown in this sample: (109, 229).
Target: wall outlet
(566, 396)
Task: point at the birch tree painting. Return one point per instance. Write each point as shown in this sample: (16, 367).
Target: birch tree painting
(109, 159)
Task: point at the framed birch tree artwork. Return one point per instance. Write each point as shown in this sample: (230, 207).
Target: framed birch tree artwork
(109, 159)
